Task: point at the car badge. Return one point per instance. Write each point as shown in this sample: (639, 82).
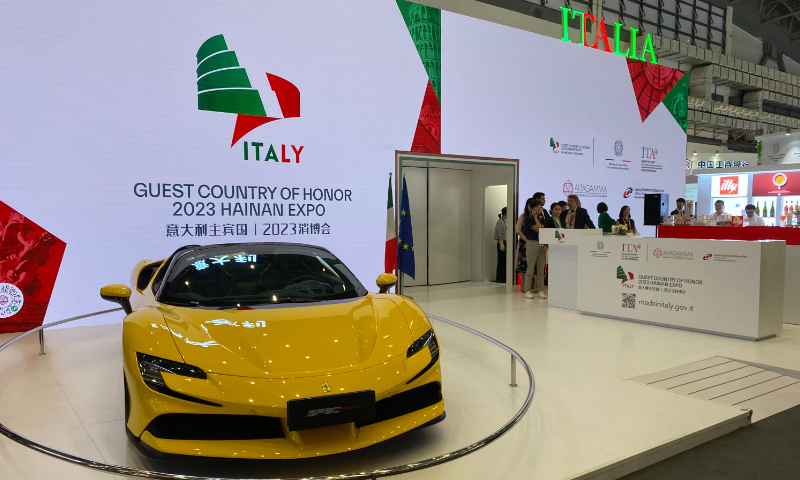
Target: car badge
(325, 387)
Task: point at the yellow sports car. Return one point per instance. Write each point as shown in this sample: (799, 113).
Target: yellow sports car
(270, 350)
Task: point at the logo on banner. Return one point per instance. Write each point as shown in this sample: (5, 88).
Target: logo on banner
(776, 147)
(706, 257)
(554, 145)
(624, 276)
(729, 185)
(628, 192)
(559, 237)
(618, 148)
(568, 188)
(650, 153)
(779, 180)
(673, 254)
(688, 165)
(224, 86)
(11, 300)
(630, 251)
(584, 190)
(600, 245)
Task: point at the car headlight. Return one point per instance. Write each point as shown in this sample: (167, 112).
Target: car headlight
(151, 368)
(426, 340)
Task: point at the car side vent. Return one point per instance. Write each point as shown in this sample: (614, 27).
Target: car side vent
(189, 426)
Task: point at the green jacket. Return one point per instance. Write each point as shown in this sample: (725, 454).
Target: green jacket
(605, 222)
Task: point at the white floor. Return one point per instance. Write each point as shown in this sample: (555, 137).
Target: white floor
(584, 414)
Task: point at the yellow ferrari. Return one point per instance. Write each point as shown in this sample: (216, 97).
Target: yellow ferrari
(270, 350)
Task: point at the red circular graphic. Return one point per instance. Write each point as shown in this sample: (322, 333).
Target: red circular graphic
(657, 253)
(3, 299)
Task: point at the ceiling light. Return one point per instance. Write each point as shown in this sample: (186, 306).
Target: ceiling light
(717, 153)
(695, 153)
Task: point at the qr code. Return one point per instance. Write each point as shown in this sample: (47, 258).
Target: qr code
(628, 300)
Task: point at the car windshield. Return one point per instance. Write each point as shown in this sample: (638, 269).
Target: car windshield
(257, 274)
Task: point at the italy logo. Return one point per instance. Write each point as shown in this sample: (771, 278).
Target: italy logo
(621, 275)
(223, 86)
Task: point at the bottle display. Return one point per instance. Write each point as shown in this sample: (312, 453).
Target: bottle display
(764, 213)
(758, 210)
(772, 210)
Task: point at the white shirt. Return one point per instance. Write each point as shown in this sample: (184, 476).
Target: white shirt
(756, 221)
(722, 216)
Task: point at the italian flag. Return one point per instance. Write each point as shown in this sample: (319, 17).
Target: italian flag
(391, 235)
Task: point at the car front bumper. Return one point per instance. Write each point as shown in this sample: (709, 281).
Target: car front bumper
(402, 405)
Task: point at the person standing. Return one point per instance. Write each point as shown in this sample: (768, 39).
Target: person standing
(535, 252)
(680, 204)
(539, 197)
(521, 241)
(555, 217)
(752, 219)
(499, 235)
(625, 219)
(577, 217)
(604, 221)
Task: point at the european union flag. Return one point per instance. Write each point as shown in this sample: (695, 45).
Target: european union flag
(405, 237)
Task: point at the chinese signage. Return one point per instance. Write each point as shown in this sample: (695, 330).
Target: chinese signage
(722, 164)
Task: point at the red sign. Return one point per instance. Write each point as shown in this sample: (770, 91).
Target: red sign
(776, 184)
(737, 221)
(729, 185)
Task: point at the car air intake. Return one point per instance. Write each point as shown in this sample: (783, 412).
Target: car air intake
(406, 402)
(188, 426)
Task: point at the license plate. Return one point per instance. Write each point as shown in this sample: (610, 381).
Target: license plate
(329, 410)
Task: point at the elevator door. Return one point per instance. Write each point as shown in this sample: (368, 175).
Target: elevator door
(449, 226)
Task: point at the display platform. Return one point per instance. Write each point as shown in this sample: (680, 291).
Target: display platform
(791, 299)
(586, 420)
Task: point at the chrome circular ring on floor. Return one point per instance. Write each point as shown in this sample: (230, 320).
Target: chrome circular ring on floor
(373, 474)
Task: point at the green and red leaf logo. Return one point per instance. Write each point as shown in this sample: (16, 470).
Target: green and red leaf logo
(622, 275)
(223, 86)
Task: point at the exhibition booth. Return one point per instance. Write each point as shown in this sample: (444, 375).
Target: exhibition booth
(221, 176)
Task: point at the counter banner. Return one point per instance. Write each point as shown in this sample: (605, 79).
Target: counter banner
(671, 281)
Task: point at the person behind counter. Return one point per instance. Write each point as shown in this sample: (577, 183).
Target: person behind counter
(719, 212)
(751, 219)
(555, 220)
(680, 204)
(625, 219)
(577, 217)
(604, 221)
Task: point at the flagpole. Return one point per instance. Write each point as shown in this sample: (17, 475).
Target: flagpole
(399, 273)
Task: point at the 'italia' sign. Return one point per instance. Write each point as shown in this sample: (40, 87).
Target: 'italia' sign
(586, 18)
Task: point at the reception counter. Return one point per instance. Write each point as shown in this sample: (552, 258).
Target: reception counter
(732, 288)
(562, 260)
(791, 297)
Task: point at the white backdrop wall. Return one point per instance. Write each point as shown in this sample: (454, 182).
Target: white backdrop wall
(99, 96)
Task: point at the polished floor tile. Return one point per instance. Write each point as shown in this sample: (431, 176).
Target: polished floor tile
(584, 414)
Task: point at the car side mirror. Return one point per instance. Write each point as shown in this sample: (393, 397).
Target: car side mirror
(118, 293)
(385, 282)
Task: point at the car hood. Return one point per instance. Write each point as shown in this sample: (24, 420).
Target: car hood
(293, 340)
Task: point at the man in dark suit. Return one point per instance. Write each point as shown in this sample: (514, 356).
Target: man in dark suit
(577, 217)
(539, 197)
(680, 203)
